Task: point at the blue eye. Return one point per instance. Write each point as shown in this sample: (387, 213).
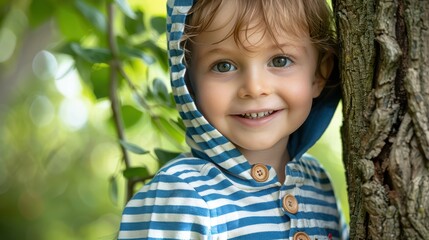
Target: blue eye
(280, 62)
(223, 67)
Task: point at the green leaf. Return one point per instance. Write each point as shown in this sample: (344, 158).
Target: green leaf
(133, 148)
(125, 8)
(113, 186)
(92, 55)
(169, 129)
(92, 15)
(172, 103)
(136, 172)
(84, 68)
(100, 81)
(160, 90)
(159, 24)
(149, 94)
(134, 52)
(165, 156)
(130, 115)
(141, 101)
(180, 123)
(159, 53)
(135, 26)
(5, 7)
(65, 18)
(40, 12)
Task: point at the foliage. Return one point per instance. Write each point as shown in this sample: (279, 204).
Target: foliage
(106, 54)
(96, 68)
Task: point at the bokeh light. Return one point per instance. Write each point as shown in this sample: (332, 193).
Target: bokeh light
(45, 65)
(74, 113)
(42, 111)
(8, 43)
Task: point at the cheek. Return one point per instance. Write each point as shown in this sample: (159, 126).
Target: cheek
(300, 94)
(210, 99)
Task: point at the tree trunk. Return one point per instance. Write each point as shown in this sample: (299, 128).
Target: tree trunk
(384, 62)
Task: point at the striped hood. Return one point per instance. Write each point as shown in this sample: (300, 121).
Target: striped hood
(207, 142)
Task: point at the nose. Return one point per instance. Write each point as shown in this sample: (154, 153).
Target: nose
(254, 84)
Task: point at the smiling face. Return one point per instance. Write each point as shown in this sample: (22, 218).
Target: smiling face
(258, 92)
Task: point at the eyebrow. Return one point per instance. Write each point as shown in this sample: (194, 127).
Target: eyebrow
(271, 47)
(218, 50)
(285, 45)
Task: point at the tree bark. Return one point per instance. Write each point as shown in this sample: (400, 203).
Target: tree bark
(384, 65)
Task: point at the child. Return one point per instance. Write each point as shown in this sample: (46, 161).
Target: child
(251, 82)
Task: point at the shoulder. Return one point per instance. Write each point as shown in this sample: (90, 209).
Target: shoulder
(311, 161)
(168, 205)
(172, 180)
(313, 169)
(183, 163)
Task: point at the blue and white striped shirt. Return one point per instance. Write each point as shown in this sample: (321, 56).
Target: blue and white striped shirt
(192, 198)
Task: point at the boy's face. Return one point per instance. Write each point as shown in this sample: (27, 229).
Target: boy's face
(259, 96)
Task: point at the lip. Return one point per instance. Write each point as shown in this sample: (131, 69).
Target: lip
(257, 110)
(257, 122)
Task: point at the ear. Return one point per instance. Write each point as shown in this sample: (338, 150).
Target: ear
(322, 74)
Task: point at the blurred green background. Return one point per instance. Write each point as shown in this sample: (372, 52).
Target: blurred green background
(61, 166)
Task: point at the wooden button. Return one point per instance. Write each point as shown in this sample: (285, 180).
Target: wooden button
(260, 172)
(290, 204)
(301, 236)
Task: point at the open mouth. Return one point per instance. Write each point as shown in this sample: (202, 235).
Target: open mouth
(256, 115)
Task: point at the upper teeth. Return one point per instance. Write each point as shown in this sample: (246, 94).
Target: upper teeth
(256, 115)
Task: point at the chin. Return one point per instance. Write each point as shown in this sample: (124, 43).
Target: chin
(256, 146)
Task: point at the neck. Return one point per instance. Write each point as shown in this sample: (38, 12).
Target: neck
(276, 157)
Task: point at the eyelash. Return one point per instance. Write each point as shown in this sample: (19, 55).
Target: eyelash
(215, 66)
(288, 60)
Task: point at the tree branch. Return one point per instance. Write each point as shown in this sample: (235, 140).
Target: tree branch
(133, 87)
(113, 96)
(113, 83)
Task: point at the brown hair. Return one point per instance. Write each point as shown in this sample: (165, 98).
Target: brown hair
(296, 17)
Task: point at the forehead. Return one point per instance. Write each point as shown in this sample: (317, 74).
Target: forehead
(242, 18)
(250, 31)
